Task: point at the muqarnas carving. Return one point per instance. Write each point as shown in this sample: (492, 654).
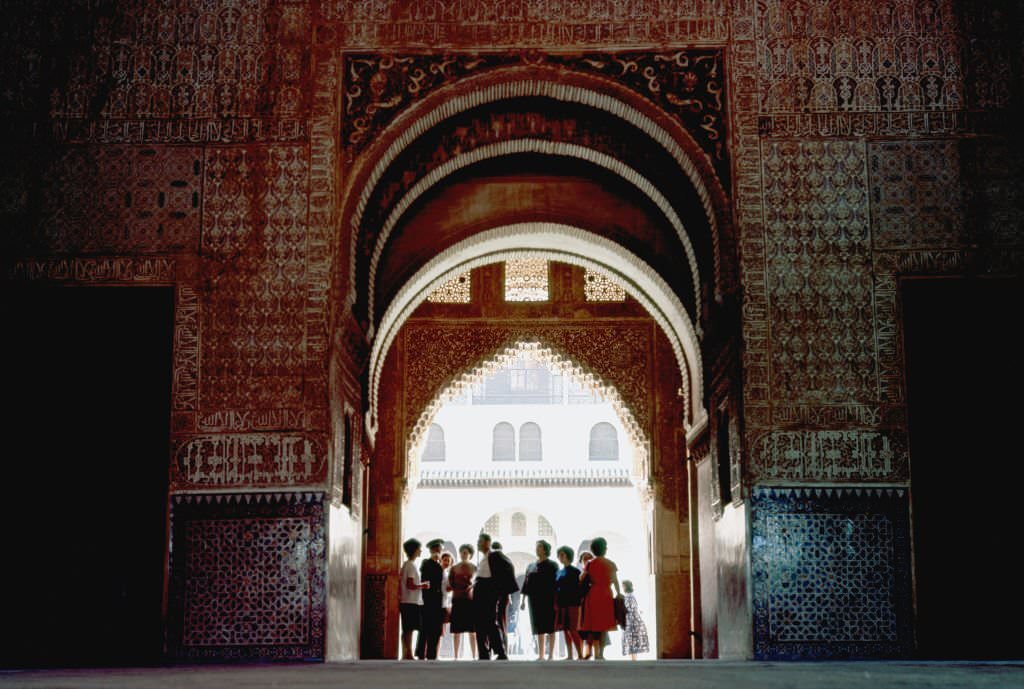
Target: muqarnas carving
(247, 577)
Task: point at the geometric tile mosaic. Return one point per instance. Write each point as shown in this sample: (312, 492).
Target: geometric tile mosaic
(121, 199)
(217, 613)
(831, 573)
(247, 577)
(916, 198)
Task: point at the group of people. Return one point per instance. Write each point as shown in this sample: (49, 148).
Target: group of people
(473, 599)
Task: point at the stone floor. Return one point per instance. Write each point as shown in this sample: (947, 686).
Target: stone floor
(555, 675)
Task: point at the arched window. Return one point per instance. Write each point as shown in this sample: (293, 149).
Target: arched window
(503, 448)
(434, 451)
(493, 526)
(529, 443)
(518, 524)
(544, 529)
(604, 443)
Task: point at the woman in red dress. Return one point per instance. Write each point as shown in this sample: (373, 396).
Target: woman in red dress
(599, 604)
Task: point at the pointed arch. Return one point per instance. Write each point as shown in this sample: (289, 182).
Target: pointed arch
(550, 358)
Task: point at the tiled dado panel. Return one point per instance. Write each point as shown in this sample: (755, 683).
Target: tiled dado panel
(247, 577)
(831, 573)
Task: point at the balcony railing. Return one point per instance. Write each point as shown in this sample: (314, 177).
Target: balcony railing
(509, 477)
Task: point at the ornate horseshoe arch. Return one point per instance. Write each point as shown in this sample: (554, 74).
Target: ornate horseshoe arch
(598, 93)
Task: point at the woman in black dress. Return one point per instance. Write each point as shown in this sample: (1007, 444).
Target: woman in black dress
(539, 588)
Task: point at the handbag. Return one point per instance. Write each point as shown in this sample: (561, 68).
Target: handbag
(620, 611)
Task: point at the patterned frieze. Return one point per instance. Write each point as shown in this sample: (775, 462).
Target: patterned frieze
(248, 577)
(252, 460)
(186, 349)
(838, 416)
(993, 53)
(749, 212)
(233, 420)
(521, 23)
(830, 455)
(689, 84)
(881, 124)
(322, 231)
(859, 56)
(97, 269)
(185, 71)
(831, 573)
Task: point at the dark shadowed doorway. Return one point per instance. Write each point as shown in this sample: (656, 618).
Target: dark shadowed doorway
(964, 369)
(86, 388)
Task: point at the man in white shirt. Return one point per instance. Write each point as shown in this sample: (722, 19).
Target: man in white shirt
(411, 595)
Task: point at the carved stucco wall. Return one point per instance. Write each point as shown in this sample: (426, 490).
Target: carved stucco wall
(196, 144)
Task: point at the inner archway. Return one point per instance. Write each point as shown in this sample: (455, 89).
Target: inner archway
(528, 447)
(616, 347)
(571, 245)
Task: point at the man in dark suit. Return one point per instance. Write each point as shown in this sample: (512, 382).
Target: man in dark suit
(433, 597)
(495, 580)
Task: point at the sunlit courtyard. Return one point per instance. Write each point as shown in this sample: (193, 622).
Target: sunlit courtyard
(527, 450)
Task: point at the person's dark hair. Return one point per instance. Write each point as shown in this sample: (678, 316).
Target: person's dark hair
(585, 553)
(410, 547)
(467, 546)
(495, 545)
(485, 537)
(599, 546)
(568, 552)
(546, 546)
(627, 586)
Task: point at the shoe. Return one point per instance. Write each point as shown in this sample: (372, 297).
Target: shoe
(502, 658)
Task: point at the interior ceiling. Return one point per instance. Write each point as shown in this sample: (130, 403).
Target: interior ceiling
(531, 190)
